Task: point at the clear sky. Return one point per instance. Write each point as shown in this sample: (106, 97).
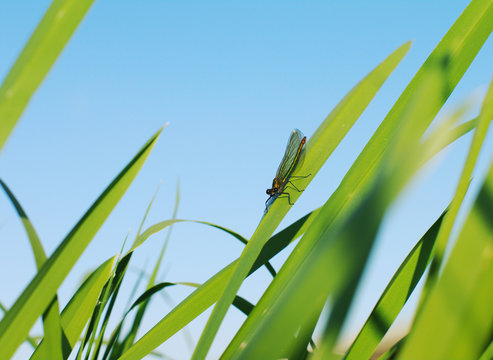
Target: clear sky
(233, 79)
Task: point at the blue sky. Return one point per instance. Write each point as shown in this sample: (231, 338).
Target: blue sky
(232, 79)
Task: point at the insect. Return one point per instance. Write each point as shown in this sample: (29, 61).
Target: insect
(288, 163)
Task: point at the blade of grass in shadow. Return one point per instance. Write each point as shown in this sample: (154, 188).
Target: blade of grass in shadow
(394, 296)
(53, 333)
(318, 149)
(45, 45)
(77, 312)
(15, 326)
(456, 320)
(452, 56)
(485, 118)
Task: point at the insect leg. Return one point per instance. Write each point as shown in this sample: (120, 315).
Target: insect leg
(287, 196)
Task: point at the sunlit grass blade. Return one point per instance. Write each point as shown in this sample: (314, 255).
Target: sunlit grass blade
(40, 53)
(31, 340)
(394, 296)
(458, 48)
(457, 319)
(283, 309)
(484, 120)
(318, 149)
(35, 298)
(77, 312)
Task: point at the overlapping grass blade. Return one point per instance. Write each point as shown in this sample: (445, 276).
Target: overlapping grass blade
(451, 58)
(114, 287)
(478, 225)
(77, 312)
(36, 297)
(333, 266)
(36, 59)
(318, 149)
(457, 319)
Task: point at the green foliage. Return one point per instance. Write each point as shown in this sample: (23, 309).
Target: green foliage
(454, 318)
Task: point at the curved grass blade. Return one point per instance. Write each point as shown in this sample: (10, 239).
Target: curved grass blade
(53, 333)
(394, 296)
(318, 149)
(457, 319)
(77, 312)
(46, 43)
(15, 326)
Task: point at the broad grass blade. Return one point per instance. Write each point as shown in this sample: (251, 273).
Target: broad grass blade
(40, 53)
(457, 319)
(448, 61)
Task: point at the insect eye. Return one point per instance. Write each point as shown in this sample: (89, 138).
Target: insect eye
(267, 191)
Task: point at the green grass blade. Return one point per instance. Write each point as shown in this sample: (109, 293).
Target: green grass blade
(394, 296)
(318, 148)
(457, 320)
(484, 120)
(15, 326)
(36, 246)
(130, 338)
(283, 309)
(458, 47)
(53, 333)
(29, 339)
(117, 281)
(46, 43)
(77, 312)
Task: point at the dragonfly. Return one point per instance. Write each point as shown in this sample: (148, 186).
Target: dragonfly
(288, 163)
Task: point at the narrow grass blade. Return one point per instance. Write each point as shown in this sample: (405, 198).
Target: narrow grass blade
(53, 333)
(77, 312)
(457, 320)
(117, 281)
(318, 149)
(130, 338)
(394, 296)
(484, 120)
(15, 326)
(46, 43)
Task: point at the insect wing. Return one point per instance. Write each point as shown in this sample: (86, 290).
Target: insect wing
(290, 155)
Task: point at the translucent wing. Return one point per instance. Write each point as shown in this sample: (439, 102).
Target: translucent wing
(291, 155)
